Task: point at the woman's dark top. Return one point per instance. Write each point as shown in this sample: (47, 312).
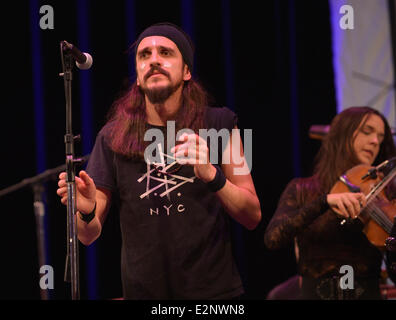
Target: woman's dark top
(325, 245)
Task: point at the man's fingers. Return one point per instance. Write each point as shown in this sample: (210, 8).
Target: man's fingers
(61, 191)
(192, 157)
(80, 182)
(85, 178)
(183, 137)
(182, 155)
(61, 183)
(180, 147)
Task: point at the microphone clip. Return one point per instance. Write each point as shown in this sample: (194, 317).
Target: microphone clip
(372, 173)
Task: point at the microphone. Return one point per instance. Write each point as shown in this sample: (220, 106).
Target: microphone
(372, 173)
(387, 165)
(83, 60)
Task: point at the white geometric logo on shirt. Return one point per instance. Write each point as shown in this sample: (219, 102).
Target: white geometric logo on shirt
(170, 182)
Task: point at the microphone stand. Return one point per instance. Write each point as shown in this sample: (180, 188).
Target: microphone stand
(72, 263)
(39, 212)
(37, 184)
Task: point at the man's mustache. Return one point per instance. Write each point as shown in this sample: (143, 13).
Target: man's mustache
(156, 69)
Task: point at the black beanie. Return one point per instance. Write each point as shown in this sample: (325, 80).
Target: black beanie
(174, 33)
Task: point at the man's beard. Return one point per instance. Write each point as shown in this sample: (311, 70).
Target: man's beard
(161, 94)
(158, 96)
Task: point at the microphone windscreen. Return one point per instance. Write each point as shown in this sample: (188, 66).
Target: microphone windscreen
(87, 64)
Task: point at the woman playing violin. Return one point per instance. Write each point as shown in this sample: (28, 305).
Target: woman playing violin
(308, 212)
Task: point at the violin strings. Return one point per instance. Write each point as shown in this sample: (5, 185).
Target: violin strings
(381, 220)
(378, 215)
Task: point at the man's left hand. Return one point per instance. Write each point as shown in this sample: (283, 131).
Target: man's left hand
(193, 150)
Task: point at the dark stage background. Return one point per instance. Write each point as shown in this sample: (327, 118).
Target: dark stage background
(271, 62)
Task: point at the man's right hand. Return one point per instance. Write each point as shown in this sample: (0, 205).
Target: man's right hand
(85, 191)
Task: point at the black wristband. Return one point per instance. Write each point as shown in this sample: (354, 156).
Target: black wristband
(218, 182)
(88, 217)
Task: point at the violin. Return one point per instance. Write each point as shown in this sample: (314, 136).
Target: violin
(378, 214)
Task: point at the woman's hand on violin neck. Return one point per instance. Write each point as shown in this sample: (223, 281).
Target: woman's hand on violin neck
(347, 204)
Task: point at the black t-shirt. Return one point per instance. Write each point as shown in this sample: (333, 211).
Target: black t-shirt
(176, 241)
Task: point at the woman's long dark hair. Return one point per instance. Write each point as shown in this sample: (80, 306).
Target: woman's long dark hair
(337, 155)
(129, 121)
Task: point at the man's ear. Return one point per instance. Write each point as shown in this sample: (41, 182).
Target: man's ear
(186, 73)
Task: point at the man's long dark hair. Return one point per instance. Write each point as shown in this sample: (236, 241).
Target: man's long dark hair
(129, 121)
(337, 155)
